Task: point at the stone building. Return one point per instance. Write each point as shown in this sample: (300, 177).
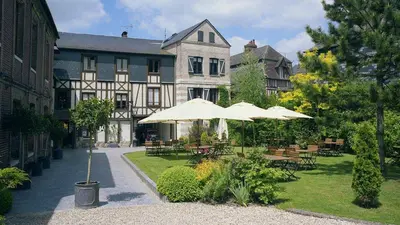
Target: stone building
(27, 38)
(202, 59)
(277, 68)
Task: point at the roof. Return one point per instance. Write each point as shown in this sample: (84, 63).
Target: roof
(176, 37)
(265, 52)
(110, 44)
(298, 69)
(47, 10)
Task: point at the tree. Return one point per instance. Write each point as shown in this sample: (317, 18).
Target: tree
(365, 34)
(92, 114)
(367, 179)
(223, 100)
(248, 82)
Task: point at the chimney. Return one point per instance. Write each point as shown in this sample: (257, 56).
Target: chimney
(250, 46)
(124, 34)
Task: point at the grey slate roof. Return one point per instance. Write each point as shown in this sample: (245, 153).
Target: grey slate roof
(179, 36)
(110, 44)
(265, 52)
(297, 69)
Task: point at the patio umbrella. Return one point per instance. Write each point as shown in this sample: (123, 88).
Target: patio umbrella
(222, 128)
(194, 110)
(253, 112)
(280, 112)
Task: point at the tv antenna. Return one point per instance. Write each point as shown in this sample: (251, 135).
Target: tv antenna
(127, 28)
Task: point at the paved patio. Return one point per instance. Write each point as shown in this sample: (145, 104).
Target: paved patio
(54, 190)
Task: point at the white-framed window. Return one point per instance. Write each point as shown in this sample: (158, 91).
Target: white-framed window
(88, 95)
(121, 101)
(214, 70)
(153, 97)
(153, 66)
(122, 65)
(281, 73)
(210, 94)
(89, 63)
(222, 67)
(195, 65)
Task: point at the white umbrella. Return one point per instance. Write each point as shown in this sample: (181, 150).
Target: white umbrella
(193, 110)
(280, 111)
(222, 128)
(252, 112)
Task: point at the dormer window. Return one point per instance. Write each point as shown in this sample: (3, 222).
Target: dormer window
(200, 36)
(211, 37)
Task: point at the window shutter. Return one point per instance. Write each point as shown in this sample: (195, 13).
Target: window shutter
(206, 91)
(125, 65)
(118, 64)
(190, 92)
(200, 35)
(222, 67)
(190, 64)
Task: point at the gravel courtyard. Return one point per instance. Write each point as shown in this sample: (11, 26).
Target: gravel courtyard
(169, 213)
(54, 190)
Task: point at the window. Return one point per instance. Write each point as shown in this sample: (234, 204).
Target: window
(85, 133)
(122, 65)
(153, 97)
(62, 99)
(281, 75)
(211, 37)
(19, 30)
(89, 63)
(88, 95)
(213, 66)
(34, 45)
(153, 66)
(121, 101)
(46, 59)
(200, 35)
(213, 96)
(222, 67)
(210, 94)
(195, 65)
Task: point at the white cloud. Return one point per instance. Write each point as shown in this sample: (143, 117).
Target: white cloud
(238, 44)
(290, 47)
(75, 15)
(157, 15)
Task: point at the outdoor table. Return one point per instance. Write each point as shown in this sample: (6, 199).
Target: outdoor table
(308, 160)
(288, 167)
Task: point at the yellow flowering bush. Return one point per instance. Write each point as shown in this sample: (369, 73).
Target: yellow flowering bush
(205, 169)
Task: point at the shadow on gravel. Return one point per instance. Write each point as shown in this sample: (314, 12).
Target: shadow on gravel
(54, 190)
(124, 196)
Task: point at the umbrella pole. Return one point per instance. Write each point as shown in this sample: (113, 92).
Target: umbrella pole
(176, 138)
(199, 135)
(242, 135)
(254, 136)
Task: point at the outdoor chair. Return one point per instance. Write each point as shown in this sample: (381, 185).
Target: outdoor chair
(167, 148)
(279, 152)
(339, 146)
(149, 148)
(157, 147)
(292, 164)
(322, 149)
(296, 147)
(272, 149)
(288, 150)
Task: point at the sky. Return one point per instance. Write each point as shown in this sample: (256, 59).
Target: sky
(278, 23)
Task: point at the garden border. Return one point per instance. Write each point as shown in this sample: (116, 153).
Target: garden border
(149, 182)
(328, 216)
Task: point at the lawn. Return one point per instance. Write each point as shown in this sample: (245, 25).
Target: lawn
(324, 190)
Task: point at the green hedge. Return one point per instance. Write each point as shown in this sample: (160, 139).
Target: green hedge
(179, 184)
(6, 200)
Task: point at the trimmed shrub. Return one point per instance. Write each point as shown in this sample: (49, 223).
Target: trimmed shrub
(367, 178)
(6, 200)
(205, 140)
(179, 184)
(205, 169)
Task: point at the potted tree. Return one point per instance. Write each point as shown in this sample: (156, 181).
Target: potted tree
(46, 126)
(91, 115)
(57, 133)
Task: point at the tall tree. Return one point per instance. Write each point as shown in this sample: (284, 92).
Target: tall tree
(366, 35)
(248, 82)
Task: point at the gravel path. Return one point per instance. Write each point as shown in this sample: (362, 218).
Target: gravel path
(54, 190)
(168, 213)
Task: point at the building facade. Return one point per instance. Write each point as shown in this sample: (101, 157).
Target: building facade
(202, 59)
(277, 68)
(136, 73)
(27, 38)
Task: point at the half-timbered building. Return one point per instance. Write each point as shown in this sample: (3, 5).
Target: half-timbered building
(136, 73)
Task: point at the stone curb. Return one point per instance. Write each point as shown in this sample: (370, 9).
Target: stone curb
(327, 216)
(149, 182)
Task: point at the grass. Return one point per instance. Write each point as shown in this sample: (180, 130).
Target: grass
(326, 189)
